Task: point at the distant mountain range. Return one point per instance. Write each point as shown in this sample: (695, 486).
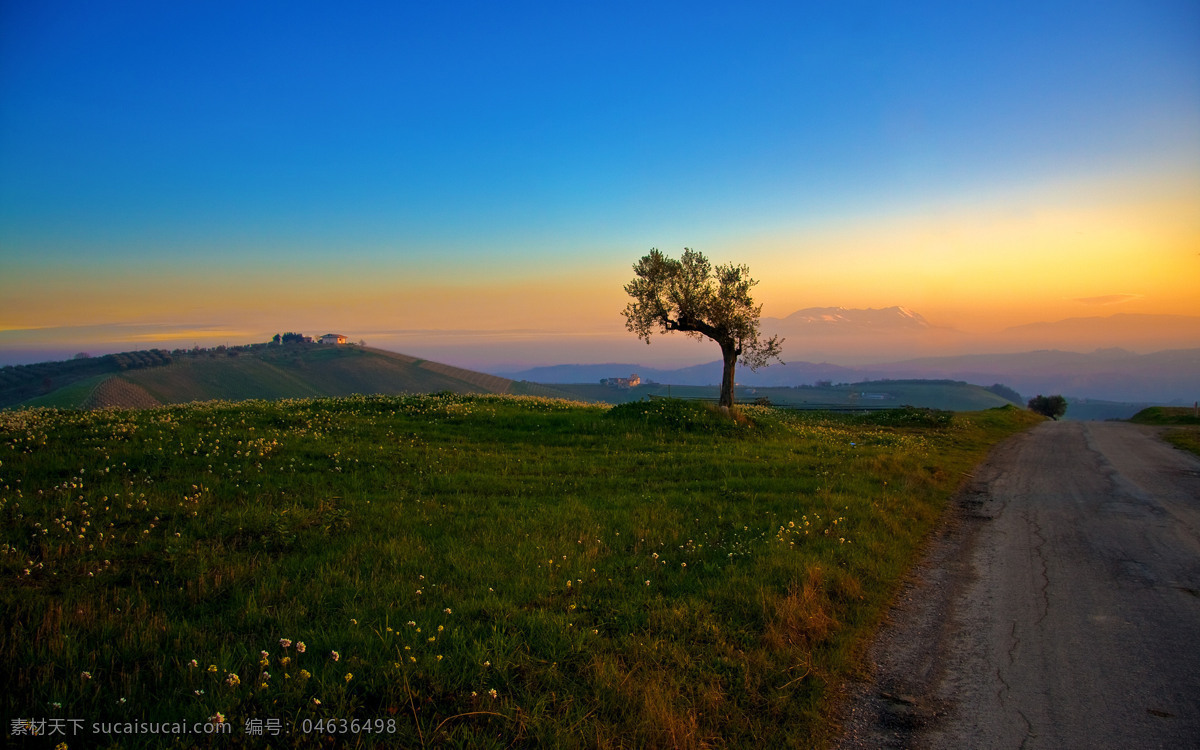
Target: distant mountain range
(1113, 374)
(857, 336)
(1126, 330)
(898, 343)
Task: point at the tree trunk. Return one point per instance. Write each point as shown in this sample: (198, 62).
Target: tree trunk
(730, 355)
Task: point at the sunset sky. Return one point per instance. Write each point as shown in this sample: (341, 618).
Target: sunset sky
(472, 182)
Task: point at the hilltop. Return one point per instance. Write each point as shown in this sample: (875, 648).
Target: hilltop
(257, 371)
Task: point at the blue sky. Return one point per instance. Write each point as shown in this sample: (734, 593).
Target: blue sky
(458, 153)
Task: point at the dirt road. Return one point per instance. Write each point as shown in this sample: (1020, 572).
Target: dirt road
(1059, 608)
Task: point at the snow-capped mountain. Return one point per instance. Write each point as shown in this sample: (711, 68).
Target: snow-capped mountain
(870, 319)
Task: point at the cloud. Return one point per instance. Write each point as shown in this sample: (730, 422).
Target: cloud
(1107, 299)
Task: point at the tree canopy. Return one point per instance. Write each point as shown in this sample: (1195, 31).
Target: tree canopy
(692, 296)
(1048, 406)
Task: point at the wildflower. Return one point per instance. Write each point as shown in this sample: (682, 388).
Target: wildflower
(334, 655)
(349, 676)
(301, 647)
(353, 621)
(316, 701)
(286, 643)
(439, 657)
(493, 692)
(411, 624)
(266, 658)
(217, 718)
(285, 661)
(212, 667)
(305, 674)
(448, 610)
(86, 675)
(232, 680)
(193, 664)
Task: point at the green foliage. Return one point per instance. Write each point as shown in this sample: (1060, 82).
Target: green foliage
(1048, 406)
(476, 570)
(691, 296)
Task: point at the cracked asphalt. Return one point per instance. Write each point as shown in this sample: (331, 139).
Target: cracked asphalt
(1059, 607)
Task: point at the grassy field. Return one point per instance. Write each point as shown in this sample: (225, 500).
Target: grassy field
(463, 571)
(72, 396)
(1184, 420)
(934, 394)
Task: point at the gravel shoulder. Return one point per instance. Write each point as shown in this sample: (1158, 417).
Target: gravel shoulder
(1058, 607)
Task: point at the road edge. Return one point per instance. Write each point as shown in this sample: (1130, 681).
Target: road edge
(898, 698)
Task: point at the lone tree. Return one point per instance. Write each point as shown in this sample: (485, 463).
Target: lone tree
(689, 295)
(1048, 406)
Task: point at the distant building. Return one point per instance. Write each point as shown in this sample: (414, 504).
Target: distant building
(333, 338)
(633, 381)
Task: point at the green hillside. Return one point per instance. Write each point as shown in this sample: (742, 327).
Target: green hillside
(1167, 415)
(932, 394)
(305, 370)
(257, 372)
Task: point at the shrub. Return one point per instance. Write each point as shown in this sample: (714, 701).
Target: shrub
(1048, 406)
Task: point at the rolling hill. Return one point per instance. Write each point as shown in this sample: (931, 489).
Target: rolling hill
(1108, 374)
(932, 394)
(141, 379)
